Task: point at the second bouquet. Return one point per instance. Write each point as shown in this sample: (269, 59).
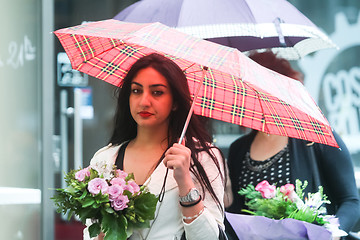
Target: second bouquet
(286, 202)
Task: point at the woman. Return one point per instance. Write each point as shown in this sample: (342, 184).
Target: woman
(153, 104)
(279, 160)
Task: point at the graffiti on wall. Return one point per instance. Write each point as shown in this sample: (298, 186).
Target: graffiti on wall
(333, 79)
(18, 53)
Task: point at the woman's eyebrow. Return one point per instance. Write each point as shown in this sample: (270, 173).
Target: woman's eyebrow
(136, 84)
(158, 85)
(151, 86)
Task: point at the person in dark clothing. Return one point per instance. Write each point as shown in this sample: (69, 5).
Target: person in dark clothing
(334, 166)
(258, 156)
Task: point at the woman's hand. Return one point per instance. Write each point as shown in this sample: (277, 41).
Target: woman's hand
(178, 158)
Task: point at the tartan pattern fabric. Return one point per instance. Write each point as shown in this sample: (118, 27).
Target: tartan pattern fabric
(234, 89)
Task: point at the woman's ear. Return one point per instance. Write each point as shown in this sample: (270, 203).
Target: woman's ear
(174, 107)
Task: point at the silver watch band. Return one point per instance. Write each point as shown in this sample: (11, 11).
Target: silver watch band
(192, 196)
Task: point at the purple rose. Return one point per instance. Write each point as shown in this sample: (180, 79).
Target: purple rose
(121, 174)
(81, 174)
(132, 187)
(114, 191)
(96, 185)
(120, 202)
(118, 181)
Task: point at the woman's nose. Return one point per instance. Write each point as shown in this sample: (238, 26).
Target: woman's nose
(145, 99)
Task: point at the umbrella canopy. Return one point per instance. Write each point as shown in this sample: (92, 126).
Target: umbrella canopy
(242, 24)
(234, 89)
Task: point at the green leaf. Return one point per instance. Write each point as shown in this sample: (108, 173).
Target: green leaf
(114, 227)
(250, 193)
(110, 210)
(94, 230)
(145, 205)
(129, 230)
(83, 195)
(88, 202)
(70, 214)
(71, 190)
(93, 173)
(85, 213)
(100, 198)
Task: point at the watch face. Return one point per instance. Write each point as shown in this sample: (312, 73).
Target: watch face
(194, 195)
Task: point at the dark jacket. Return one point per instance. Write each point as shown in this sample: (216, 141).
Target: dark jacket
(335, 169)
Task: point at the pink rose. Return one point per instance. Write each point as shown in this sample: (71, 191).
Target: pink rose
(120, 202)
(114, 191)
(96, 185)
(81, 174)
(266, 190)
(118, 181)
(120, 174)
(287, 189)
(132, 187)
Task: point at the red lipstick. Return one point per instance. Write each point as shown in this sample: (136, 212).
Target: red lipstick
(145, 114)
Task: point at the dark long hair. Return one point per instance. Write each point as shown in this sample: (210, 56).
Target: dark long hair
(197, 138)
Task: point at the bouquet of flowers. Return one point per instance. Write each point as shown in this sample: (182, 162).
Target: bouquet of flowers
(286, 202)
(108, 196)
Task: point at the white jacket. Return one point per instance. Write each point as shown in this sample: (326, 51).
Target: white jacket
(168, 223)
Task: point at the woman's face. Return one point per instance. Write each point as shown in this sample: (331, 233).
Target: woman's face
(151, 99)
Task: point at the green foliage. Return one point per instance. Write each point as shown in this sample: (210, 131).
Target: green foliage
(300, 187)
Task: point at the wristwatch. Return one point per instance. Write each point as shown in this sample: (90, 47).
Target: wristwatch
(192, 196)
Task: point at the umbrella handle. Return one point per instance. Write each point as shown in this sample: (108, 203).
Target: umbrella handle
(192, 107)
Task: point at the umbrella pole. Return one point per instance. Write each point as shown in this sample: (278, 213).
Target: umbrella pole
(192, 108)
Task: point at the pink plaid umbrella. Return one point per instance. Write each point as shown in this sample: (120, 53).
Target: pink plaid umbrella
(233, 89)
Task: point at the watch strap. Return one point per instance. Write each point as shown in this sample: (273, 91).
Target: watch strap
(191, 204)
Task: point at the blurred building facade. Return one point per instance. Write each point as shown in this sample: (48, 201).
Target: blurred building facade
(33, 88)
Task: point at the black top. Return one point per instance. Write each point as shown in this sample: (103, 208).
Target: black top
(120, 157)
(276, 170)
(335, 170)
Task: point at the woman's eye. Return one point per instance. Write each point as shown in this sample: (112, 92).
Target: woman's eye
(158, 93)
(135, 90)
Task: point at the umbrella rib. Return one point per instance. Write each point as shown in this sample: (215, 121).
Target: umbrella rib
(273, 114)
(235, 100)
(262, 109)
